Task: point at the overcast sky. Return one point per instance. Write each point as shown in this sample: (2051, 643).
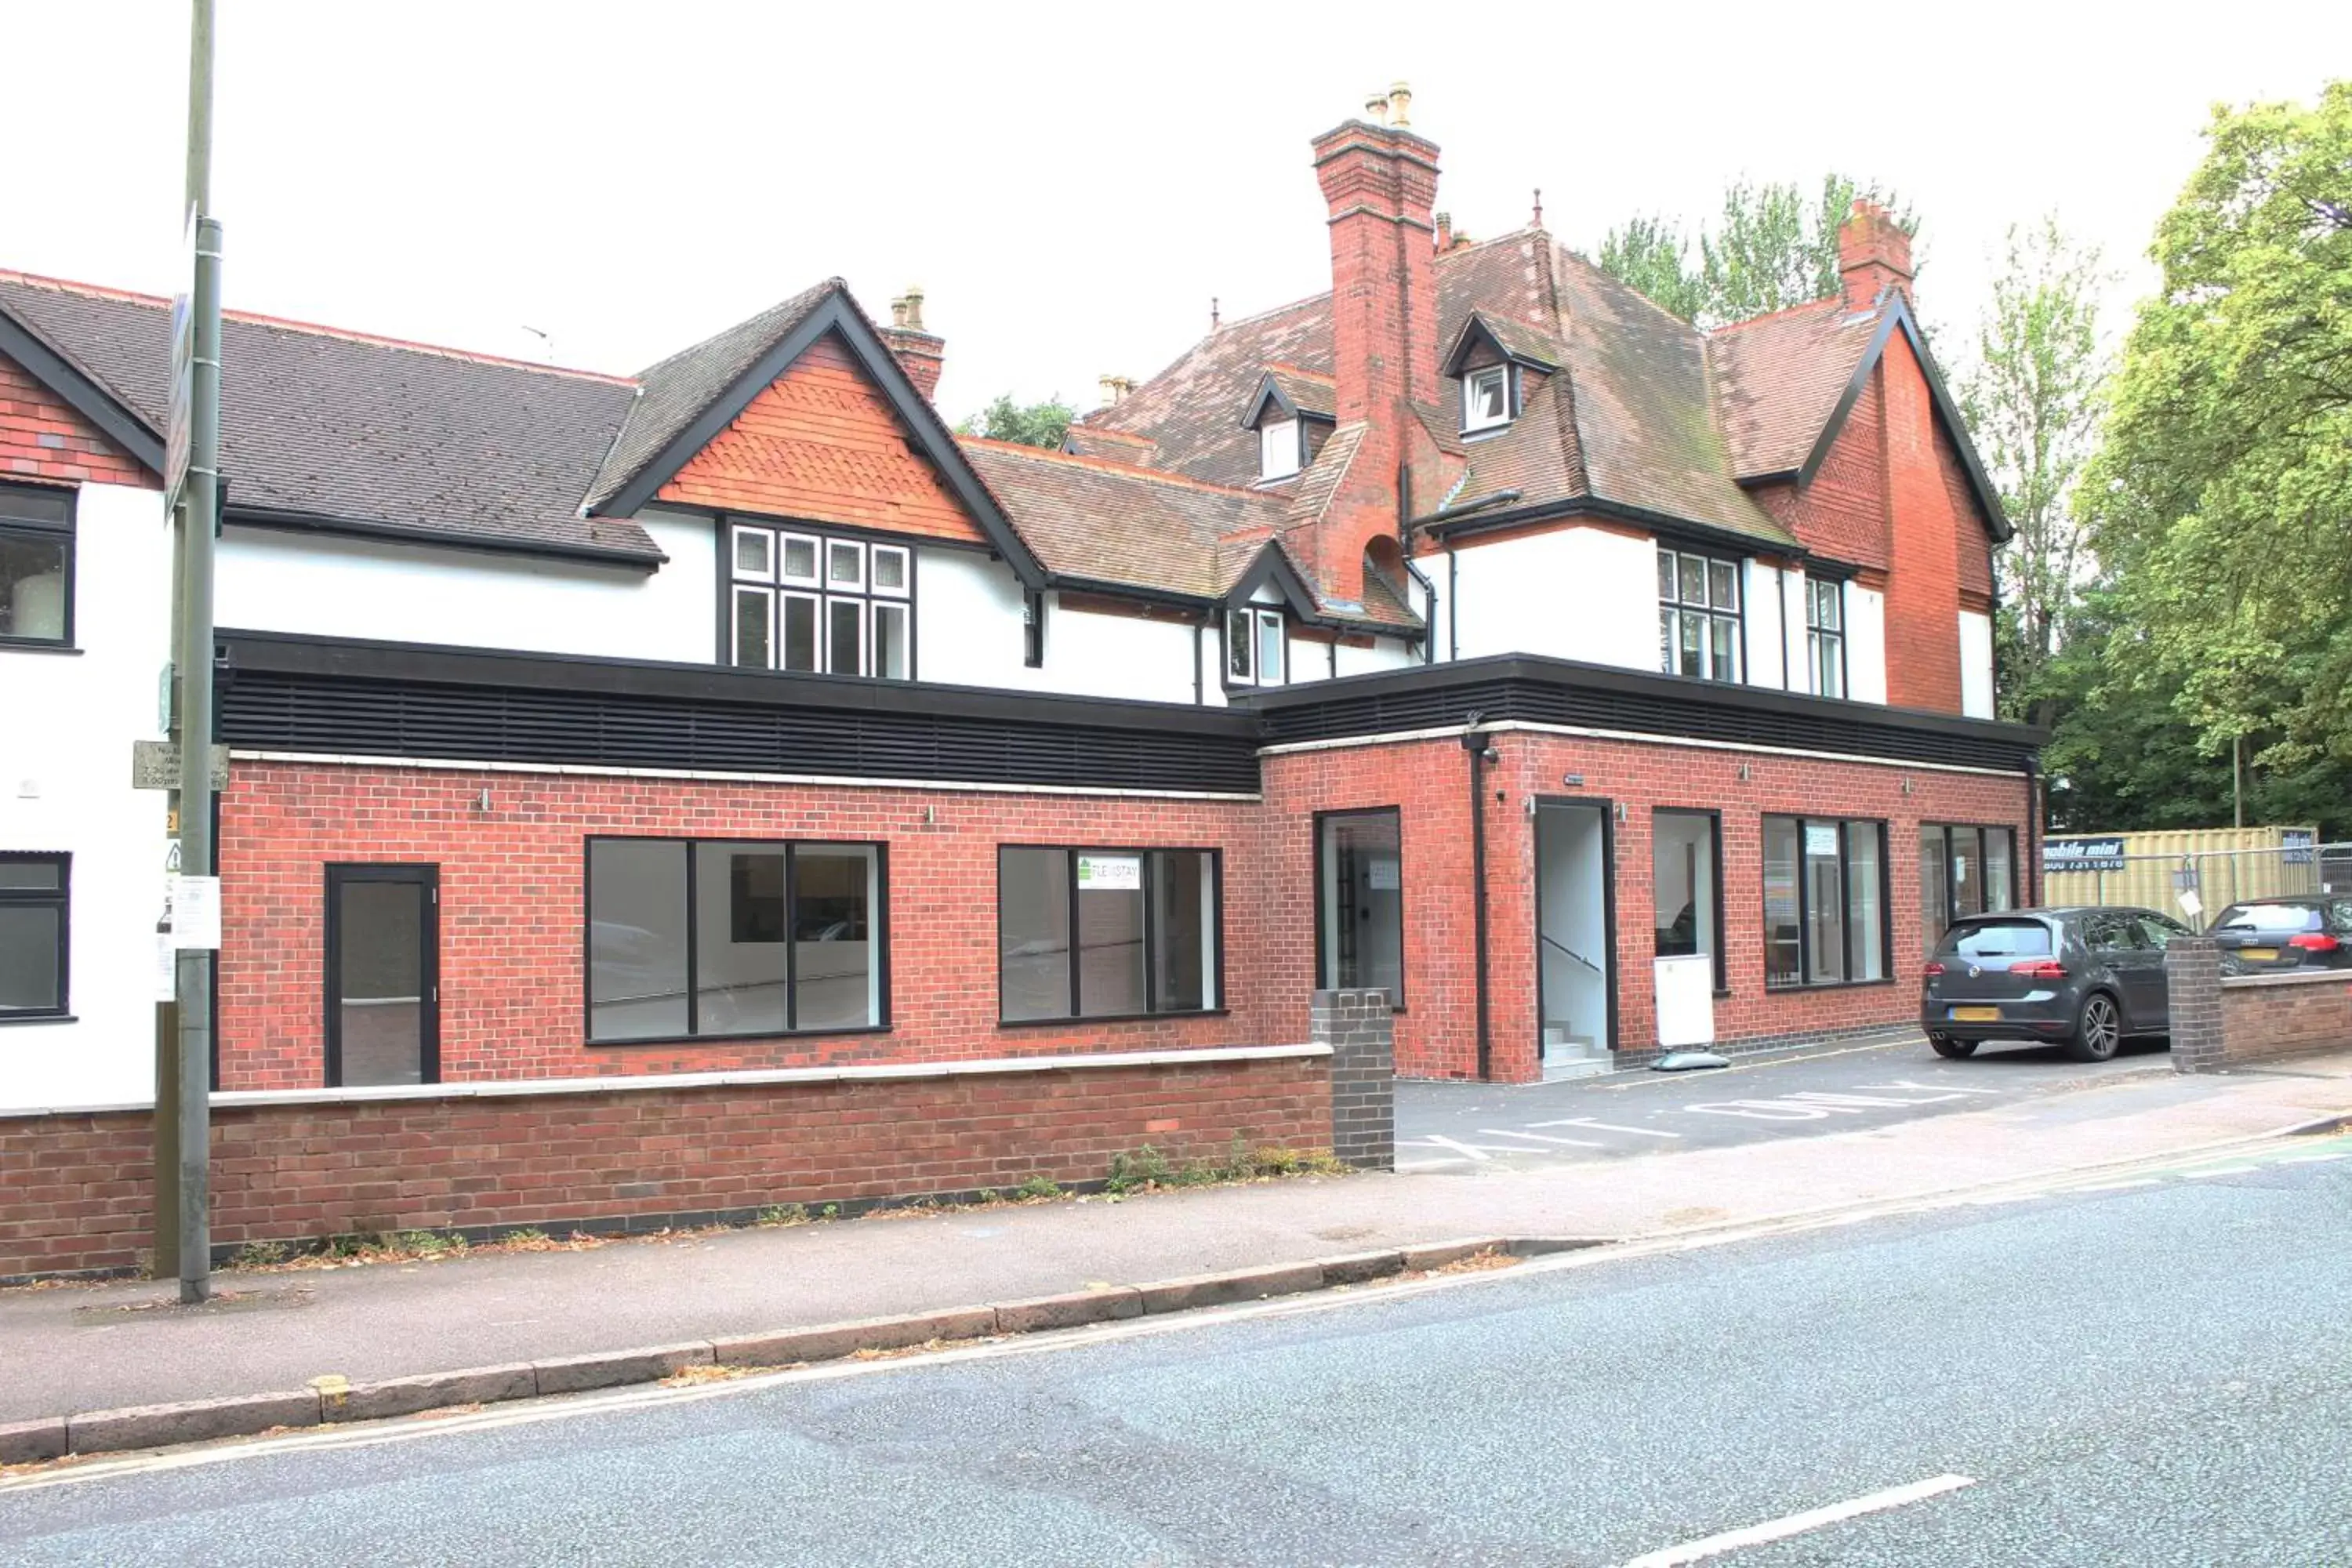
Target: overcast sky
(1070, 185)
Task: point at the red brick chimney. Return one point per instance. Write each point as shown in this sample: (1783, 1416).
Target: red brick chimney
(1379, 181)
(1873, 255)
(922, 354)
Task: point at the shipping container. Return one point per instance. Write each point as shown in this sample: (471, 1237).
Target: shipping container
(2220, 865)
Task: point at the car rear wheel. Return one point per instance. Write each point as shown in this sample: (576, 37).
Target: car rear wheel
(1957, 1050)
(2097, 1032)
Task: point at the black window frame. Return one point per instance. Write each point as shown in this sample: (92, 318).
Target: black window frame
(46, 531)
(1952, 910)
(1323, 981)
(60, 898)
(425, 877)
(1816, 634)
(877, 926)
(822, 592)
(1846, 903)
(1070, 852)
(1715, 837)
(1677, 606)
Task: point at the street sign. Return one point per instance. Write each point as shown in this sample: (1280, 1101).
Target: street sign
(155, 764)
(181, 407)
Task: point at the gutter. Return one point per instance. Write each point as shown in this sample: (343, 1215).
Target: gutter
(1478, 519)
(310, 522)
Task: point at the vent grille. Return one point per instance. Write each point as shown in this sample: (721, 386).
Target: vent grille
(289, 712)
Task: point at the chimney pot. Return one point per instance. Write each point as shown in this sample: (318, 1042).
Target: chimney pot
(914, 302)
(1444, 233)
(919, 351)
(1376, 108)
(1400, 105)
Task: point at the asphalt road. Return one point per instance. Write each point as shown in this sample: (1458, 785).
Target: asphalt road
(2146, 1374)
(1799, 1095)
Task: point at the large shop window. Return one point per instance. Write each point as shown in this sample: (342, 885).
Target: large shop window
(1105, 934)
(1825, 902)
(1698, 616)
(36, 559)
(34, 892)
(1359, 902)
(1963, 870)
(709, 937)
(1686, 888)
(817, 604)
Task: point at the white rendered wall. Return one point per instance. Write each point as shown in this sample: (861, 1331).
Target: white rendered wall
(1865, 644)
(968, 633)
(1797, 659)
(1975, 665)
(1573, 593)
(64, 785)
(1386, 653)
(408, 592)
(1768, 652)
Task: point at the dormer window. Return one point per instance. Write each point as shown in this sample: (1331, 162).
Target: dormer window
(1255, 644)
(1485, 397)
(1279, 449)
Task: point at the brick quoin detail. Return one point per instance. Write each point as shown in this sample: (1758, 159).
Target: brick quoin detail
(822, 443)
(1436, 1034)
(1923, 635)
(512, 913)
(78, 1195)
(44, 438)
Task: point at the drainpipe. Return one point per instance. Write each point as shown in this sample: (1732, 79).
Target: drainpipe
(2033, 832)
(1453, 596)
(1196, 664)
(1474, 743)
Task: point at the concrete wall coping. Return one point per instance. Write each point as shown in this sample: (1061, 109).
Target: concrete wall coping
(2308, 977)
(645, 1083)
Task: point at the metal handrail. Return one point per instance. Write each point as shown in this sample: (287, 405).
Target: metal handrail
(1570, 951)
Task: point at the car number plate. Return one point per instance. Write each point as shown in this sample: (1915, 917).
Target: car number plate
(1976, 1015)
(2263, 954)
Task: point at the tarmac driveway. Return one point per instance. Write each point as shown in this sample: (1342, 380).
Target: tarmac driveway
(1465, 1125)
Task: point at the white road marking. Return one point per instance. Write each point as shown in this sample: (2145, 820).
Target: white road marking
(1651, 1131)
(1799, 1523)
(1765, 1110)
(1481, 1153)
(1542, 1138)
(1865, 1101)
(2217, 1171)
(1941, 1091)
(2283, 1159)
(2120, 1186)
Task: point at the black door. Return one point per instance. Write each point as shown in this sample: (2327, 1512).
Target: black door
(384, 990)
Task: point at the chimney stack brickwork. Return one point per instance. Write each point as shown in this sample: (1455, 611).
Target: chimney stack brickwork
(1379, 182)
(1873, 255)
(922, 354)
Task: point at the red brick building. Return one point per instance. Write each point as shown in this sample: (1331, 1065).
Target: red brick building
(1475, 629)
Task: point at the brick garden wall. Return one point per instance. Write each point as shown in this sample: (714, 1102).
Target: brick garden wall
(512, 924)
(78, 1190)
(1436, 1034)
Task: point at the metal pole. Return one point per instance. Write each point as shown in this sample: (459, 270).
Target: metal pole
(195, 658)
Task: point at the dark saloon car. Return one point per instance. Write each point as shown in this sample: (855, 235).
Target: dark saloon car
(2264, 935)
(2088, 978)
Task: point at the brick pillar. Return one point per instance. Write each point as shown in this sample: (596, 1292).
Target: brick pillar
(2192, 968)
(1361, 1030)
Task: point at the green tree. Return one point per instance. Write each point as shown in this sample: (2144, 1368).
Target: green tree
(1031, 424)
(2032, 397)
(2221, 500)
(1770, 248)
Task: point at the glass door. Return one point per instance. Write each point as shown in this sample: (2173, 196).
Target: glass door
(382, 975)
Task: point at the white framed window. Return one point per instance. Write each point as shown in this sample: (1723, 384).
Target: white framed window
(1486, 397)
(1699, 628)
(1256, 648)
(755, 555)
(1826, 635)
(1277, 449)
(814, 603)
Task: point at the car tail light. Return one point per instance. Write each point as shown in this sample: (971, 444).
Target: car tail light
(2040, 969)
(2315, 941)
(1932, 971)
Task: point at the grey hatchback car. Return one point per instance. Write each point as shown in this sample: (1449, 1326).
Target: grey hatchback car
(2086, 977)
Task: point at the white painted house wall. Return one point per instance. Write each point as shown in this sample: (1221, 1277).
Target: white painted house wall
(400, 592)
(64, 785)
(1767, 653)
(1975, 665)
(1865, 644)
(1573, 593)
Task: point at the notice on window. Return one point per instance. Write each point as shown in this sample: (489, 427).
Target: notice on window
(1380, 874)
(1110, 873)
(196, 912)
(1820, 838)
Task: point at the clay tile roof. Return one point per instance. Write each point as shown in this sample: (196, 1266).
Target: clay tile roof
(365, 430)
(1778, 377)
(1111, 522)
(674, 391)
(1111, 445)
(1524, 340)
(1193, 408)
(1307, 393)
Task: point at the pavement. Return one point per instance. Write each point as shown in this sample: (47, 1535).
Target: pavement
(101, 1347)
(2145, 1374)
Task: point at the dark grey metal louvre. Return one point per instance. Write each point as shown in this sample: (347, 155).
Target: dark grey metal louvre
(265, 710)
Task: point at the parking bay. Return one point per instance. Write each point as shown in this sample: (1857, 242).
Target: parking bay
(1620, 1115)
